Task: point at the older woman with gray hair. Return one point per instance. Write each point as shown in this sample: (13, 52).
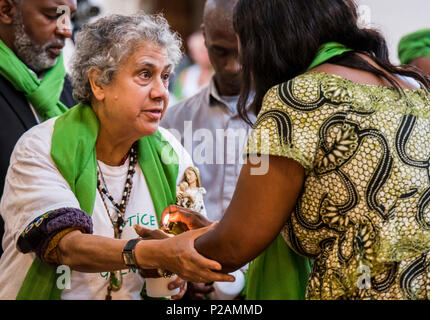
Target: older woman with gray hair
(80, 185)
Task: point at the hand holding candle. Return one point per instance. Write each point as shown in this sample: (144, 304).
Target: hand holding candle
(176, 219)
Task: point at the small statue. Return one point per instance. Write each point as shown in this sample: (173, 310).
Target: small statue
(189, 193)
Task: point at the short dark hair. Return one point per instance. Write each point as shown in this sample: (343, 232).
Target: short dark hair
(281, 38)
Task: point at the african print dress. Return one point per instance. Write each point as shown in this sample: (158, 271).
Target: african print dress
(364, 212)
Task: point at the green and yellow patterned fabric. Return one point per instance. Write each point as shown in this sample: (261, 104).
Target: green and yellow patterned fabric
(364, 214)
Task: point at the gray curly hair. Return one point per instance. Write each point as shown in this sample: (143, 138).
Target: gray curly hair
(105, 43)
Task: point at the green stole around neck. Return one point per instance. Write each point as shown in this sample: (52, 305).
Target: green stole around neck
(279, 273)
(43, 95)
(74, 154)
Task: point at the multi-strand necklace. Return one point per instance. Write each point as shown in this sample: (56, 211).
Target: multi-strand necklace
(119, 208)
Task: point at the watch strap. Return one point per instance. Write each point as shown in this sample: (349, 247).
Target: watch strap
(131, 244)
(129, 252)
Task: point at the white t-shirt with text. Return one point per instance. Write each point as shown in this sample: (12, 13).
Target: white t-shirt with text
(34, 186)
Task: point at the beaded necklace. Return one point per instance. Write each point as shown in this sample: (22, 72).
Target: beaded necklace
(118, 225)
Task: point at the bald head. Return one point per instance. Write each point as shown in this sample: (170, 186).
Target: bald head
(219, 11)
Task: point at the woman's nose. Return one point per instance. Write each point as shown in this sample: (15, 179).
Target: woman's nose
(159, 90)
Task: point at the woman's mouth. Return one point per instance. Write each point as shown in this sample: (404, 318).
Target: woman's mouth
(154, 114)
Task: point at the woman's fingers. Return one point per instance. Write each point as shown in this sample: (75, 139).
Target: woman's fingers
(182, 292)
(141, 231)
(191, 265)
(202, 288)
(190, 218)
(177, 283)
(181, 215)
(149, 234)
(199, 291)
(201, 231)
(192, 221)
(204, 276)
(204, 263)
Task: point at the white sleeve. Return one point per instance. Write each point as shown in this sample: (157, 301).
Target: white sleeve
(185, 160)
(33, 185)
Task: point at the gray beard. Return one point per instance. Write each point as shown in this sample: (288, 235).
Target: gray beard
(32, 55)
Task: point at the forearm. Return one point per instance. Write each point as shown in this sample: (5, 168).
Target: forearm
(258, 211)
(215, 246)
(233, 245)
(92, 253)
(243, 233)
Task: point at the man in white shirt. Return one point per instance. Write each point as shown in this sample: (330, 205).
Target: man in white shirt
(208, 124)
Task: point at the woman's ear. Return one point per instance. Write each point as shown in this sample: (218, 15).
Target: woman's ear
(97, 88)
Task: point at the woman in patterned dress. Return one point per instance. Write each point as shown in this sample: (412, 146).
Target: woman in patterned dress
(348, 145)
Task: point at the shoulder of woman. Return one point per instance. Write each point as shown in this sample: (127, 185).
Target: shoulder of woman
(36, 141)
(303, 89)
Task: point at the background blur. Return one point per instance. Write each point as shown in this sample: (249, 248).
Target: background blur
(394, 18)
(185, 16)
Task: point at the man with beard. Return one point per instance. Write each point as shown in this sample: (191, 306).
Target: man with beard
(213, 112)
(33, 82)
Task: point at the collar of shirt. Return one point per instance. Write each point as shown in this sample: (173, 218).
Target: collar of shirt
(214, 98)
(38, 76)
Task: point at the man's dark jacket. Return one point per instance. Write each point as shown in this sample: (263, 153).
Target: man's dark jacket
(16, 118)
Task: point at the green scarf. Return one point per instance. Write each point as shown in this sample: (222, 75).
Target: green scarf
(279, 273)
(74, 154)
(414, 46)
(327, 51)
(44, 96)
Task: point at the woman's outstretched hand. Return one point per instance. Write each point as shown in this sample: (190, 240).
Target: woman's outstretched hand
(151, 234)
(178, 255)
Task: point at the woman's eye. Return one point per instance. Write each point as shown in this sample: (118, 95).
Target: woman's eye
(145, 74)
(166, 77)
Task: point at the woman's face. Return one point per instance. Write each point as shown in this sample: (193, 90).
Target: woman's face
(137, 97)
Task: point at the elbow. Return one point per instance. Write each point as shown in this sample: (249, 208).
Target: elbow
(230, 253)
(232, 259)
(65, 249)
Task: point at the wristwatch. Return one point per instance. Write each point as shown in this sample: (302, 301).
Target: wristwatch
(128, 253)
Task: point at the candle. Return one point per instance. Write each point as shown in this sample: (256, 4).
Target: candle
(166, 221)
(173, 227)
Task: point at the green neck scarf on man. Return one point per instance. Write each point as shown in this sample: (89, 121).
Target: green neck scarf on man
(43, 95)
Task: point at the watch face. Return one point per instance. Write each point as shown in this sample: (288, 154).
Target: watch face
(128, 258)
